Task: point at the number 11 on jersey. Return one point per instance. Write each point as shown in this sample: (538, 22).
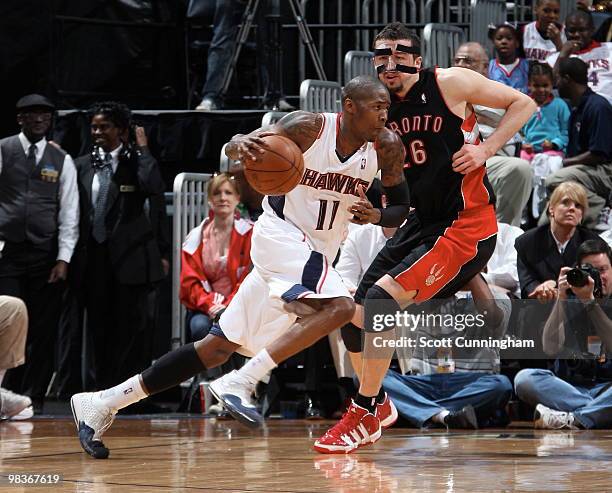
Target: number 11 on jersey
(323, 214)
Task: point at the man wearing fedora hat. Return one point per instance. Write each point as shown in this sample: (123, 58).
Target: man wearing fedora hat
(39, 213)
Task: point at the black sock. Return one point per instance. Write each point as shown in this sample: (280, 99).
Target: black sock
(347, 386)
(172, 369)
(368, 403)
(380, 398)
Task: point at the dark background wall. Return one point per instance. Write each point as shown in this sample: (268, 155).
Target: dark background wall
(142, 52)
(76, 62)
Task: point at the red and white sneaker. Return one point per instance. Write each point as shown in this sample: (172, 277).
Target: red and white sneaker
(358, 427)
(386, 413)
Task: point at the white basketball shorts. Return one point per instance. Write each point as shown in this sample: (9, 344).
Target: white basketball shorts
(285, 269)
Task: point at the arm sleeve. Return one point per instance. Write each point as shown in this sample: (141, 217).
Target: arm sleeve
(68, 216)
(398, 206)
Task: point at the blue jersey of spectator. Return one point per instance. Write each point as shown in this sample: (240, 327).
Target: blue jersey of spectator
(514, 75)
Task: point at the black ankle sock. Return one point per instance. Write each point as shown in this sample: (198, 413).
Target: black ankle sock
(172, 369)
(368, 403)
(380, 398)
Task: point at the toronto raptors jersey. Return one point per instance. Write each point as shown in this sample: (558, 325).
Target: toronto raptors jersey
(318, 206)
(535, 46)
(598, 57)
(431, 134)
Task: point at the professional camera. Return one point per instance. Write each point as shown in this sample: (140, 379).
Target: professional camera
(579, 277)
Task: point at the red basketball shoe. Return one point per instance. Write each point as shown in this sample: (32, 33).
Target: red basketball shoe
(358, 427)
(386, 413)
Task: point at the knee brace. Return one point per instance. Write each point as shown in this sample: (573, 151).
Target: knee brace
(351, 335)
(386, 305)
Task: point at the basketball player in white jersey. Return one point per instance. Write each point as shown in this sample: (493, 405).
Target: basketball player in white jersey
(579, 28)
(293, 286)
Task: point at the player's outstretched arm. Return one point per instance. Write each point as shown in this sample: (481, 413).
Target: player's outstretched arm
(302, 127)
(391, 154)
(460, 86)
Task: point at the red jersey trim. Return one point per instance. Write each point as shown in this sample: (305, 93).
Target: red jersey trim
(322, 126)
(592, 46)
(508, 74)
(442, 94)
(473, 190)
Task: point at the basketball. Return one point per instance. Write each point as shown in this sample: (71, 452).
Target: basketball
(278, 170)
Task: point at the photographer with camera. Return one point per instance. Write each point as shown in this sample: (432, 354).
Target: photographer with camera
(579, 393)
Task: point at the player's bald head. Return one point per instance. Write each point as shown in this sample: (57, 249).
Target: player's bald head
(362, 88)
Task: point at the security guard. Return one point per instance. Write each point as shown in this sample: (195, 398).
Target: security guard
(117, 257)
(39, 217)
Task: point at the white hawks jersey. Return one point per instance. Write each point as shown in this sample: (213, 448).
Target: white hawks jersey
(535, 46)
(598, 56)
(318, 206)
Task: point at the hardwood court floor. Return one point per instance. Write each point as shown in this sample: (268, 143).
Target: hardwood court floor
(194, 454)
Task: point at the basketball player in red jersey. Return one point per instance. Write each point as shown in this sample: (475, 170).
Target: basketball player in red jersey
(451, 234)
(294, 245)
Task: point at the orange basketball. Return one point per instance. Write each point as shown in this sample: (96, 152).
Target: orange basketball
(278, 170)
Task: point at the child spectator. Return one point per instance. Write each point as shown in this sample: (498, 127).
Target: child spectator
(507, 67)
(546, 130)
(544, 36)
(545, 133)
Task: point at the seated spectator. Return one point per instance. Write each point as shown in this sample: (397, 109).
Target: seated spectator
(545, 133)
(579, 29)
(578, 394)
(541, 252)
(13, 332)
(546, 130)
(507, 67)
(510, 177)
(215, 258)
(589, 150)
(544, 36)
(466, 392)
(501, 273)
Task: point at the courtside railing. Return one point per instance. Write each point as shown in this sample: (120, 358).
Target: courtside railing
(190, 209)
(485, 12)
(440, 42)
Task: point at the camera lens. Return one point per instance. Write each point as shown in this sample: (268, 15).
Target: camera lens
(577, 278)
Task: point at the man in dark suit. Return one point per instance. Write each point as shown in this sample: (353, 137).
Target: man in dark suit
(39, 214)
(117, 257)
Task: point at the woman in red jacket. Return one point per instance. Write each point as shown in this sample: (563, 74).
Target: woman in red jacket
(215, 258)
